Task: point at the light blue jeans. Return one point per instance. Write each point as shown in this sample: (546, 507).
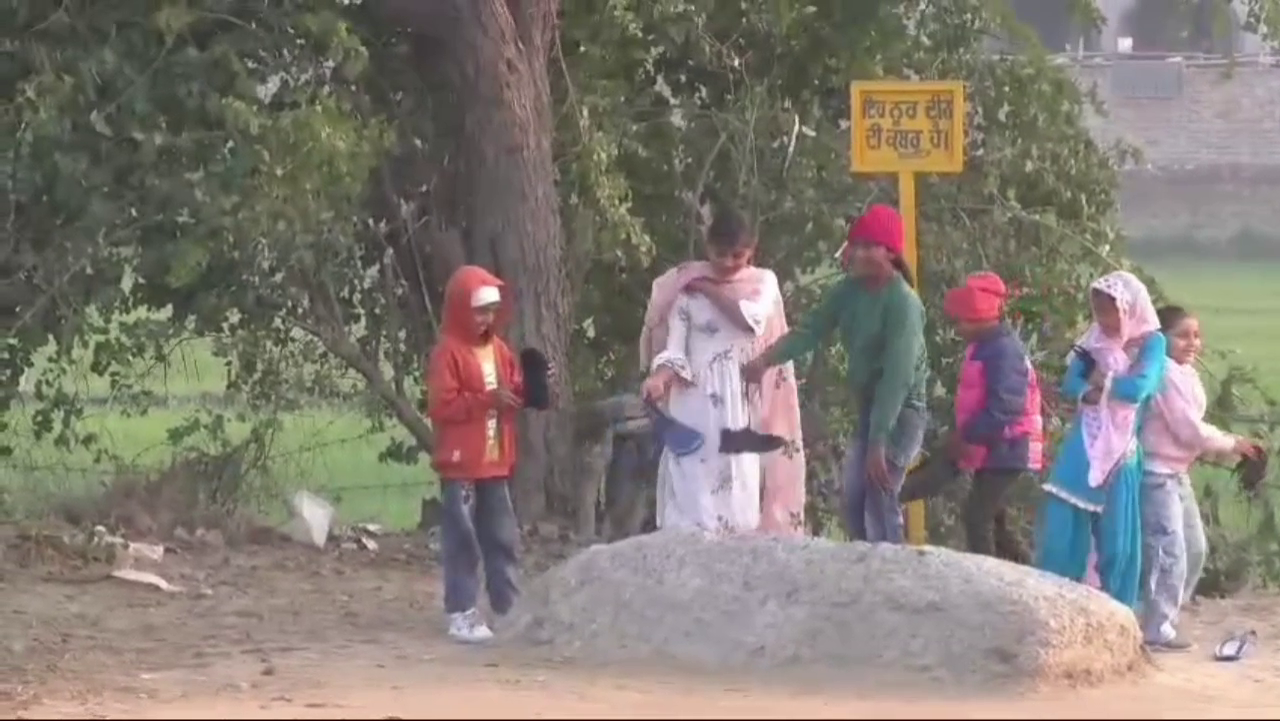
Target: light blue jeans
(1173, 551)
(872, 513)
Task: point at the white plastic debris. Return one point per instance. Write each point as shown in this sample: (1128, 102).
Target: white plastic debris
(103, 538)
(153, 552)
(312, 518)
(144, 577)
(358, 536)
(210, 537)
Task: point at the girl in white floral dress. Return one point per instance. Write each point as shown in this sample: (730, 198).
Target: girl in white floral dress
(705, 320)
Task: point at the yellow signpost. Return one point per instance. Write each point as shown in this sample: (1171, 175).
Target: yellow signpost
(907, 127)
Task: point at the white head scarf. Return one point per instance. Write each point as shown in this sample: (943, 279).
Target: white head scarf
(1137, 313)
(1110, 427)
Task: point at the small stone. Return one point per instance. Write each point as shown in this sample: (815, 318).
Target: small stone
(210, 537)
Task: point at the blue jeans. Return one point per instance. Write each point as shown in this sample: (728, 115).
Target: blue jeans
(1173, 550)
(872, 513)
(478, 525)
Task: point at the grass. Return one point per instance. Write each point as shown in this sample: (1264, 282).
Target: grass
(327, 450)
(331, 451)
(1236, 302)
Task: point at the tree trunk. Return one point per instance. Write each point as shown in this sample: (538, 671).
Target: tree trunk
(497, 60)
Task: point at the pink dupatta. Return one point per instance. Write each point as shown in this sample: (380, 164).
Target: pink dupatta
(1110, 427)
(783, 472)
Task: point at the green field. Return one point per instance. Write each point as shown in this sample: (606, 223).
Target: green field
(330, 450)
(1237, 303)
(324, 448)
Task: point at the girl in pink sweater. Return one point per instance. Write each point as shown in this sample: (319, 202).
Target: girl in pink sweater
(1174, 435)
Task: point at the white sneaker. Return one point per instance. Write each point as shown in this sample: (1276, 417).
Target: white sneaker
(468, 627)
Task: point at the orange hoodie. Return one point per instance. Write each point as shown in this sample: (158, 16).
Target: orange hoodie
(475, 439)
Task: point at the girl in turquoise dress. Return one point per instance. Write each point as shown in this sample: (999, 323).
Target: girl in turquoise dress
(1091, 495)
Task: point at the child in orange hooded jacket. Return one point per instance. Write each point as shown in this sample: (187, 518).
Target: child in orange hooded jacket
(475, 389)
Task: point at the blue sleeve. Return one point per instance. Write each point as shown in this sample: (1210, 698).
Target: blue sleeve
(1005, 374)
(1075, 382)
(1144, 376)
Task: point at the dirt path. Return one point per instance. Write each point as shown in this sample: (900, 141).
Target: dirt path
(484, 684)
(289, 633)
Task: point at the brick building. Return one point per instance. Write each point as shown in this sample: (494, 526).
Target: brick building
(1209, 132)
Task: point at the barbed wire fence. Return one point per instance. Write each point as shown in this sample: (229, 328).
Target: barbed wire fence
(343, 469)
(325, 447)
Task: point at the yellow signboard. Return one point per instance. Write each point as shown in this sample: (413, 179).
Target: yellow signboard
(906, 126)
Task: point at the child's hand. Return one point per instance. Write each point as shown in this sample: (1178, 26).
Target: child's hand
(504, 398)
(656, 385)
(1091, 397)
(877, 467)
(1097, 378)
(1247, 447)
(753, 370)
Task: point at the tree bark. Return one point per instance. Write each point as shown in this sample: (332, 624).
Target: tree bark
(497, 54)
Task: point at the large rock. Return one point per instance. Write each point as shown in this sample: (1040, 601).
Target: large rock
(882, 612)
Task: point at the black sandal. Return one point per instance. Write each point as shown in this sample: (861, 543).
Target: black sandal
(1236, 647)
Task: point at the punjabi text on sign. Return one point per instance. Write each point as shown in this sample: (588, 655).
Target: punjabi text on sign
(893, 124)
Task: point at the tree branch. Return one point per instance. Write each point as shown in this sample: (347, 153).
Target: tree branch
(346, 351)
(333, 336)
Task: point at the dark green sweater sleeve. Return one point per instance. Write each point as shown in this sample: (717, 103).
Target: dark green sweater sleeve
(813, 329)
(904, 338)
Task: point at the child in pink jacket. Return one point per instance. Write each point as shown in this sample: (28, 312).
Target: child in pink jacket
(1174, 435)
(999, 432)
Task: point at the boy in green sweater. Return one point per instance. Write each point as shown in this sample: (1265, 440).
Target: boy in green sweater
(880, 320)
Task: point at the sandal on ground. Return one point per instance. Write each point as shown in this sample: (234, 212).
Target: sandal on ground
(1236, 646)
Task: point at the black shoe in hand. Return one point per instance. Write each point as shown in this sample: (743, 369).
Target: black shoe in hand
(1251, 471)
(745, 440)
(536, 370)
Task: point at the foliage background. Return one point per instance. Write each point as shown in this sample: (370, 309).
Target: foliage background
(268, 189)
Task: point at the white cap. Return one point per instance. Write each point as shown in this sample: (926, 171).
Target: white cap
(485, 295)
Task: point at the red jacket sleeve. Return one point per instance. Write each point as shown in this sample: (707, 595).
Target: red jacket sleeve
(513, 372)
(447, 402)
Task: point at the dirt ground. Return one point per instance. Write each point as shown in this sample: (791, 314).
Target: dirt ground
(284, 631)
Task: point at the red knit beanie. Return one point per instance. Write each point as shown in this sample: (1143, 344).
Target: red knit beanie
(881, 225)
(980, 299)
